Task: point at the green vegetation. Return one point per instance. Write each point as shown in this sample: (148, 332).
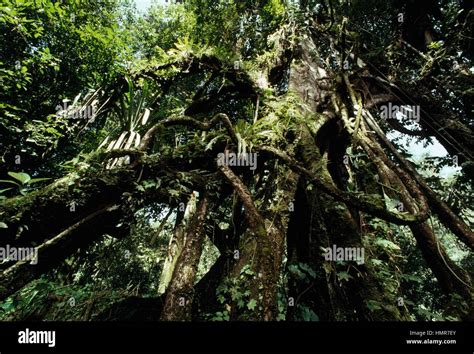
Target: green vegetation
(112, 121)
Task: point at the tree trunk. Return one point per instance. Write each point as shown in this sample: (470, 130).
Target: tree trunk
(180, 294)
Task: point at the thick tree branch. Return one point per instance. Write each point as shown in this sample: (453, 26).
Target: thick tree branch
(361, 202)
(253, 215)
(191, 122)
(447, 217)
(56, 249)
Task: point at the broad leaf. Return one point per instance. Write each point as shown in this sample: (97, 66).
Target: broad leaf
(252, 304)
(20, 176)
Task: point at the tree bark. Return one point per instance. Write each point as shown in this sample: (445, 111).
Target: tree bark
(180, 294)
(56, 249)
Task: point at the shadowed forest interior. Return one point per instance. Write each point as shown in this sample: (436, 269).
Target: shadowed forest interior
(236, 160)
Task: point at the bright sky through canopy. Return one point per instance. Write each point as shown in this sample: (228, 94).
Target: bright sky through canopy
(143, 5)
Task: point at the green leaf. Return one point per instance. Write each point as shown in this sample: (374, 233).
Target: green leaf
(236, 295)
(376, 262)
(3, 225)
(373, 305)
(9, 181)
(211, 143)
(344, 275)
(35, 180)
(387, 244)
(308, 270)
(4, 190)
(149, 184)
(7, 306)
(246, 270)
(307, 314)
(252, 304)
(173, 193)
(53, 131)
(20, 176)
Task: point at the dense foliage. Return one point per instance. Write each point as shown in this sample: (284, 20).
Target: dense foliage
(113, 124)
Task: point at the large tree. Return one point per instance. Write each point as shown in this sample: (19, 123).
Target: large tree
(314, 92)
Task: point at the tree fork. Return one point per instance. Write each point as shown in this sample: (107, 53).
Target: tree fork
(264, 264)
(361, 202)
(446, 215)
(180, 294)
